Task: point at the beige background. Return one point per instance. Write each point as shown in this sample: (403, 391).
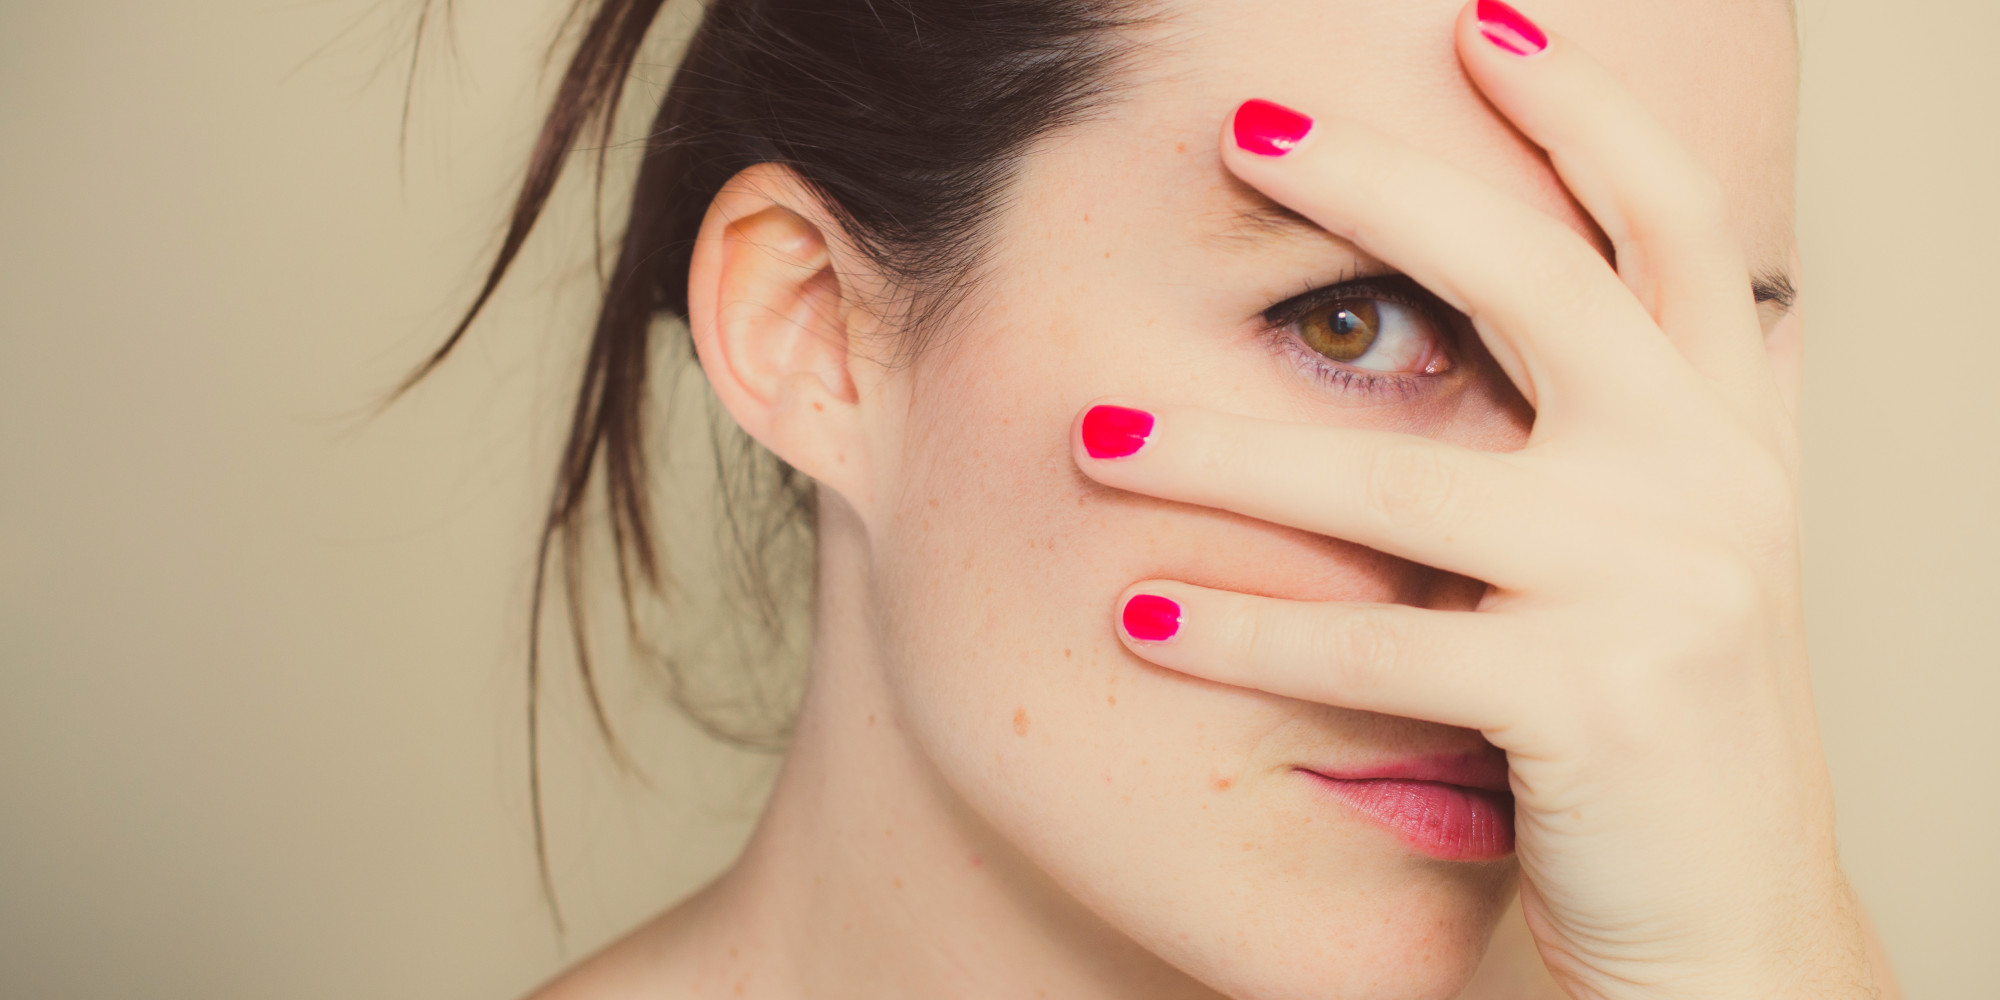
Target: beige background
(260, 696)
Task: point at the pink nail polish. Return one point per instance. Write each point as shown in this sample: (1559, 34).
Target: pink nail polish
(1151, 618)
(1115, 431)
(1508, 28)
(1269, 129)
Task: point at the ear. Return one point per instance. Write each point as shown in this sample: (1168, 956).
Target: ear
(772, 321)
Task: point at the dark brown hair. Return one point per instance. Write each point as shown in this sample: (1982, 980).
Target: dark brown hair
(905, 117)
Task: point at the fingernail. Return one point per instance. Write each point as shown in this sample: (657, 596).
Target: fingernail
(1151, 618)
(1269, 129)
(1508, 28)
(1115, 431)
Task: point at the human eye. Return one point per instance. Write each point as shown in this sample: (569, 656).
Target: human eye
(1367, 334)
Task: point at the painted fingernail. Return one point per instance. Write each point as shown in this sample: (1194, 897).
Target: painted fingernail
(1151, 618)
(1269, 129)
(1508, 28)
(1115, 431)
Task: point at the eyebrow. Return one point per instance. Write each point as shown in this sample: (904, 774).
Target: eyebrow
(1265, 218)
(1774, 285)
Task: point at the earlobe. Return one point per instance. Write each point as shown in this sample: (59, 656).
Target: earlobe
(769, 315)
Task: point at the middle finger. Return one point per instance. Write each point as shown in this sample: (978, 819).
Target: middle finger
(1552, 310)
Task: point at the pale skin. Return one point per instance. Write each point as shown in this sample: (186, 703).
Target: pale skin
(1577, 544)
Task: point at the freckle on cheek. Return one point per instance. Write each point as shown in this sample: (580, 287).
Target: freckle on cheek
(1020, 722)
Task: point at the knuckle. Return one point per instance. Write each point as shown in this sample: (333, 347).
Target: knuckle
(1211, 451)
(1242, 627)
(1696, 206)
(1356, 158)
(1708, 600)
(1565, 275)
(1755, 501)
(1770, 494)
(1705, 201)
(1620, 682)
(1623, 717)
(1722, 588)
(1361, 649)
(1409, 485)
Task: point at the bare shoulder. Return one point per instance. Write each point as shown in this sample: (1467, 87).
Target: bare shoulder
(637, 965)
(664, 959)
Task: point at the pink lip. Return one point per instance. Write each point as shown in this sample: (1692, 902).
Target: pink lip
(1455, 808)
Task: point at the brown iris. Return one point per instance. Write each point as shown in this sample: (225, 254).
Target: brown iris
(1342, 330)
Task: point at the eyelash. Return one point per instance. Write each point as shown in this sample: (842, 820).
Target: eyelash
(1279, 321)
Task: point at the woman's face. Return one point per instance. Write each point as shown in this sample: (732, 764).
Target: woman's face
(1131, 263)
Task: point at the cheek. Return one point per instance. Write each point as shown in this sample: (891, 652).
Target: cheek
(998, 542)
(998, 572)
(995, 540)
(1002, 564)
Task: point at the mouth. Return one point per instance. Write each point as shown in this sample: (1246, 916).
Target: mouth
(1453, 808)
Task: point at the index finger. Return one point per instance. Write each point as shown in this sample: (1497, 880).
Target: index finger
(1555, 315)
(1667, 215)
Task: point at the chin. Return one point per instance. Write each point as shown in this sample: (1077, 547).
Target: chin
(1331, 908)
(1265, 888)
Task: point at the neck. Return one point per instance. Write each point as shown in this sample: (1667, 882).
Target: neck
(869, 875)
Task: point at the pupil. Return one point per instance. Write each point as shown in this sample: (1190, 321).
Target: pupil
(1342, 332)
